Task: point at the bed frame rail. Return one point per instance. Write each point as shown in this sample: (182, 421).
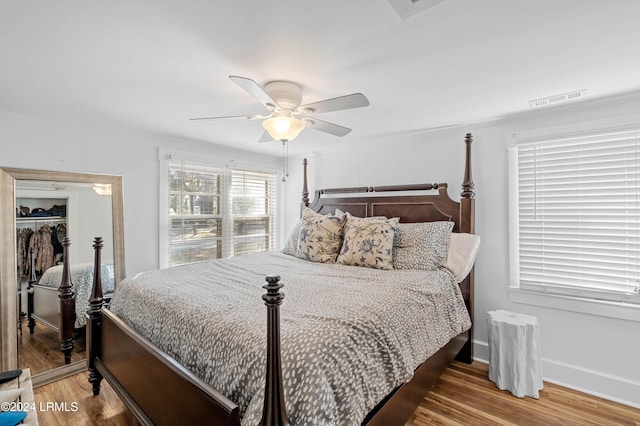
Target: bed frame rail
(137, 370)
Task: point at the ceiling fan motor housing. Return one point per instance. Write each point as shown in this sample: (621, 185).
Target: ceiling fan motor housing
(287, 94)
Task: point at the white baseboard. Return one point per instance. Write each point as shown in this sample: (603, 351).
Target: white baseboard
(597, 383)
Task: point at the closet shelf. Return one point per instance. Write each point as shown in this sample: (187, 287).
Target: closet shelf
(39, 219)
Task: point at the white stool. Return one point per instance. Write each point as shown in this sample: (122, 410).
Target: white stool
(514, 353)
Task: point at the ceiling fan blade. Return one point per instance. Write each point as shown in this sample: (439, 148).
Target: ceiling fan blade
(326, 127)
(246, 117)
(255, 90)
(355, 100)
(266, 137)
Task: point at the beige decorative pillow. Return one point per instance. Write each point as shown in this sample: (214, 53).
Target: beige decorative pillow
(320, 236)
(421, 245)
(368, 242)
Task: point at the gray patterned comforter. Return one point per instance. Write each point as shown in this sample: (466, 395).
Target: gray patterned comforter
(82, 281)
(350, 335)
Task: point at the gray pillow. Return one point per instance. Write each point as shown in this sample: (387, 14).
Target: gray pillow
(421, 245)
(291, 245)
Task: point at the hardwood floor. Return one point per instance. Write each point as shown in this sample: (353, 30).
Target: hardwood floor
(40, 351)
(106, 409)
(463, 396)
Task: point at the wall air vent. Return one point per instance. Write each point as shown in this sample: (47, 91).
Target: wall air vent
(555, 99)
(408, 8)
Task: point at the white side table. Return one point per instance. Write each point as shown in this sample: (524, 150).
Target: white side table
(514, 353)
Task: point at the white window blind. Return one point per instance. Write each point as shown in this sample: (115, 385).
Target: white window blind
(578, 211)
(217, 212)
(253, 206)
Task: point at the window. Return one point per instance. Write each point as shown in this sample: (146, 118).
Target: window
(575, 212)
(217, 212)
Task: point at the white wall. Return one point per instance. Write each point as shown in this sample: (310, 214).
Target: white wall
(37, 143)
(97, 207)
(596, 354)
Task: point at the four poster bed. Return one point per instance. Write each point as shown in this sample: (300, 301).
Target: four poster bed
(60, 298)
(359, 345)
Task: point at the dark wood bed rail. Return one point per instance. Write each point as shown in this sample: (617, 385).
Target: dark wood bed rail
(390, 188)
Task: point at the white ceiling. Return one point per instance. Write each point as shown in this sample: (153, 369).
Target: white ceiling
(153, 64)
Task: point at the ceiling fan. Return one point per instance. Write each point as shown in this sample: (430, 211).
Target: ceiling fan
(286, 117)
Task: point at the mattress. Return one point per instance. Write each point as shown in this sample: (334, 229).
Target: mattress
(82, 281)
(350, 335)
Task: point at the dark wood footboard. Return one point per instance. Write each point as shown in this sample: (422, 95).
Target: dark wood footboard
(64, 321)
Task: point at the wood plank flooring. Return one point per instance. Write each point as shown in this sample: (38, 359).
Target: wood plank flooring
(40, 351)
(463, 396)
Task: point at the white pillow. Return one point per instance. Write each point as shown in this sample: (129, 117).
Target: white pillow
(463, 249)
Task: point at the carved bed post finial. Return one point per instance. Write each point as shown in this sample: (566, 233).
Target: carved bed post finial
(274, 412)
(467, 184)
(67, 305)
(94, 319)
(305, 189)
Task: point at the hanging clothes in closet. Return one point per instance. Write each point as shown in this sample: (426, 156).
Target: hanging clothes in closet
(23, 236)
(43, 251)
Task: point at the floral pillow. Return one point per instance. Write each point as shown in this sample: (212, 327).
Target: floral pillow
(421, 245)
(368, 242)
(320, 236)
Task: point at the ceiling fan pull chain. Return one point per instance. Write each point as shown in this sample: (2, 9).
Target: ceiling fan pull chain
(287, 175)
(284, 174)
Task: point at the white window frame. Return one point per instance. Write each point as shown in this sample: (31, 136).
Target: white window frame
(166, 156)
(577, 300)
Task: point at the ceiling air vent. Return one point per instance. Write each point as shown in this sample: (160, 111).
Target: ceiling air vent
(552, 100)
(408, 8)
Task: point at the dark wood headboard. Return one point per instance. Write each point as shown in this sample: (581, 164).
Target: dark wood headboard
(384, 201)
(411, 203)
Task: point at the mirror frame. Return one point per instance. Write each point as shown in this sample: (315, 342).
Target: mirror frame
(8, 255)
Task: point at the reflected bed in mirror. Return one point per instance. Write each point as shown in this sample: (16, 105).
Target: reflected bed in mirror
(39, 210)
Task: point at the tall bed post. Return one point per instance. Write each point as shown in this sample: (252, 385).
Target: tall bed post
(67, 305)
(467, 216)
(94, 320)
(273, 412)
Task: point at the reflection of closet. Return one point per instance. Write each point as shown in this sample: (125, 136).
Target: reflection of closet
(41, 225)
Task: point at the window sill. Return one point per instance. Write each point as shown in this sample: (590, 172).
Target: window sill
(624, 311)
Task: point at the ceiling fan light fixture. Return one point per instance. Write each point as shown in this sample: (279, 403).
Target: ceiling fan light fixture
(283, 126)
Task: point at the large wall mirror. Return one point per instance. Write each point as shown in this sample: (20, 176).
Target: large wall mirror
(38, 209)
